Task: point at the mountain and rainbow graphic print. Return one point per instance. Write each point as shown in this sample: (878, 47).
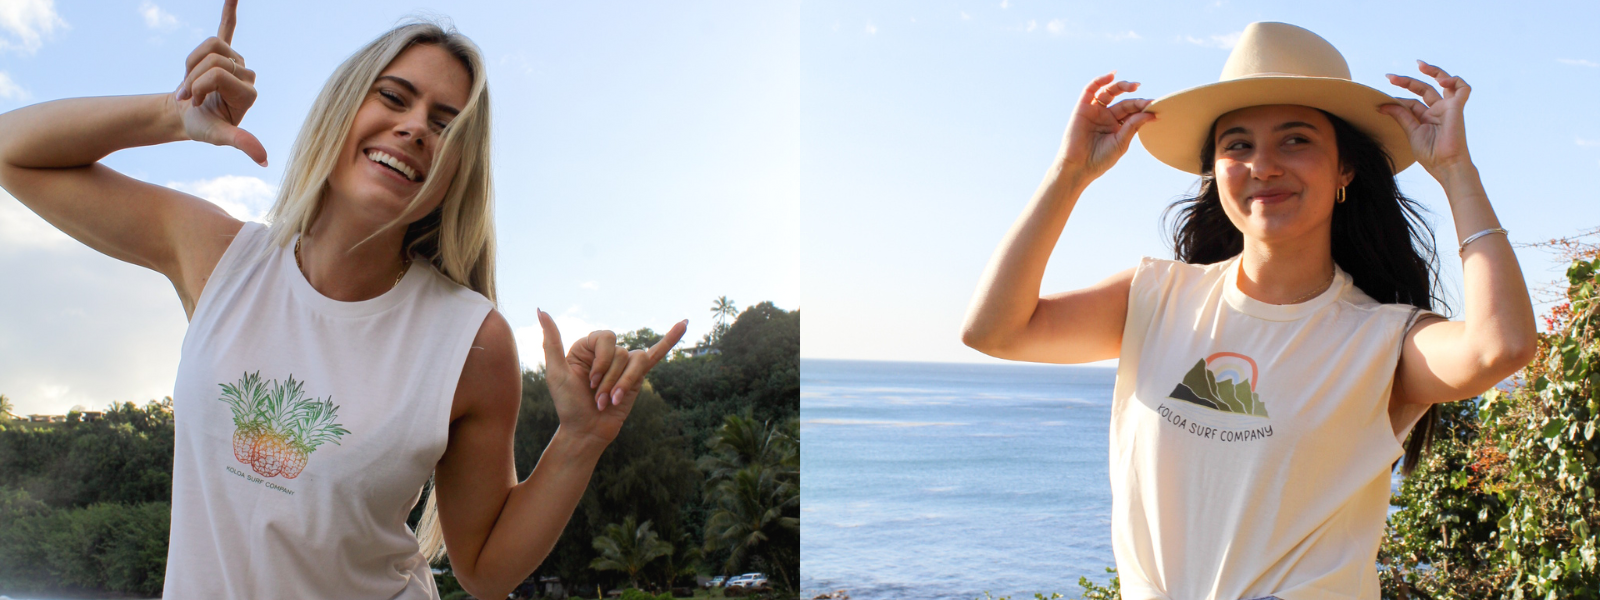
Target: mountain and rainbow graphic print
(1224, 382)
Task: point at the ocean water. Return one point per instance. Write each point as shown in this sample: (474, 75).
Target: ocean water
(943, 481)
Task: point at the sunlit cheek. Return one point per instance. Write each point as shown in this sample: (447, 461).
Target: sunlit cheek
(1231, 176)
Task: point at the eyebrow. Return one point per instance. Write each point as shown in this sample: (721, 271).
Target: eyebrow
(1288, 125)
(453, 111)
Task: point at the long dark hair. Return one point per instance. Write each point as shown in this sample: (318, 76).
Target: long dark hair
(1379, 237)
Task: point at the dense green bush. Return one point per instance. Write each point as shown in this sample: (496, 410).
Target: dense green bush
(1505, 507)
(125, 457)
(113, 547)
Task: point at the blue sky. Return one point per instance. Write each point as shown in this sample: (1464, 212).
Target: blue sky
(644, 165)
(926, 126)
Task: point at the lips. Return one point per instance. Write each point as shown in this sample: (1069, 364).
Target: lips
(399, 164)
(1271, 196)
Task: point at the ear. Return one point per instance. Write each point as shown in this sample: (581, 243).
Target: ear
(1346, 175)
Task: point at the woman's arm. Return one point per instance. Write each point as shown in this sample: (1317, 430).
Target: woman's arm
(497, 530)
(1443, 361)
(50, 153)
(1008, 319)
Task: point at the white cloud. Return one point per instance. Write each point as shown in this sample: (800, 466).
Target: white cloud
(1032, 25)
(589, 285)
(246, 198)
(20, 227)
(9, 90)
(1056, 26)
(1225, 41)
(28, 22)
(91, 330)
(871, 29)
(1004, 4)
(965, 16)
(155, 18)
(1119, 37)
(1584, 142)
(1578, 62)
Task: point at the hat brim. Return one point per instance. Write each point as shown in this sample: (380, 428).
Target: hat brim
(1183, 119)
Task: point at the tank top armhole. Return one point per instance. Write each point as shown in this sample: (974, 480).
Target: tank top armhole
(229, 264)
(1414, 316)
(1143, 294)
(472, 322)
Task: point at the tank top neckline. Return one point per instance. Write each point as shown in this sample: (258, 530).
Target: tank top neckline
(1277, 312)
(305, 293)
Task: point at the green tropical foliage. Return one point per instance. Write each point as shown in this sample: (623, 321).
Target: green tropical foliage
(1505, 505)
(84, 505)
(650, 470)
(627, 547)
(5, 408)
(754, 471)
(640, 339)
(721, 310)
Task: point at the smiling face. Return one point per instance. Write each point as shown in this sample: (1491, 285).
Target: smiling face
(1277, 168)
(388, 154)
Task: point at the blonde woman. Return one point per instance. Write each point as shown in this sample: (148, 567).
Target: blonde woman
(340, 357)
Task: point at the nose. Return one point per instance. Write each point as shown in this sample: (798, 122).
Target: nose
(413, 126)
(1264, 164)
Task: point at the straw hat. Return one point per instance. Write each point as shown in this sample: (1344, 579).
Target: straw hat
(1273, 63)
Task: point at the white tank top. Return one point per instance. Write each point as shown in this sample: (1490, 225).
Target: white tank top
(1250, 443)
(306, 428)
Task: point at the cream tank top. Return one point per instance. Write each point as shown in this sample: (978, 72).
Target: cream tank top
(306, 428)
(1250, 443)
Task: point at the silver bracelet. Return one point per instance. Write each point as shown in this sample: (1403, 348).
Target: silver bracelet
(1480, 234)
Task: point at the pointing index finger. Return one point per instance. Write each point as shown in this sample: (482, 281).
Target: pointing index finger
(230, 17)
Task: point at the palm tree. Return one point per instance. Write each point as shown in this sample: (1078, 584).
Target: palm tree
(628, 546)
(5, 408)
(722, 309)
(754, 472)
(750, 507)
(741, 442)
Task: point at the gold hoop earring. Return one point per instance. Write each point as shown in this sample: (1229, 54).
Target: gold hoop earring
(1338, 196)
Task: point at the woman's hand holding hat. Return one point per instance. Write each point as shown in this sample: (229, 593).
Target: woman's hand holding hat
(216, 91)
(1099, 131)
(1435, 125)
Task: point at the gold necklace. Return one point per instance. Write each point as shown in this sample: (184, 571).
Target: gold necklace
(1316, 290)
(403, 268)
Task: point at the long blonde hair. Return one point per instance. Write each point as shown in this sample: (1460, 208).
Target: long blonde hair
(458, 236)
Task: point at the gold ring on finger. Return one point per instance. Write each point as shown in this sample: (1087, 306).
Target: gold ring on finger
(235, 70)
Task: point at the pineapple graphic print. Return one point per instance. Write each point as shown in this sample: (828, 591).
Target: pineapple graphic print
(276, 428)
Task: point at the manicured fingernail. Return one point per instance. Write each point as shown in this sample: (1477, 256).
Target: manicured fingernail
(600, 398)
(616, 396)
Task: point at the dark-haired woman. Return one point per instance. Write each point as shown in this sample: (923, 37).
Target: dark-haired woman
(1267, 377)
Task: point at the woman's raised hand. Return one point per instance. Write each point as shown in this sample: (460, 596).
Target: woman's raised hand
(1099, 131)
(1436, 124)
(217, 90)
(595, 383)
